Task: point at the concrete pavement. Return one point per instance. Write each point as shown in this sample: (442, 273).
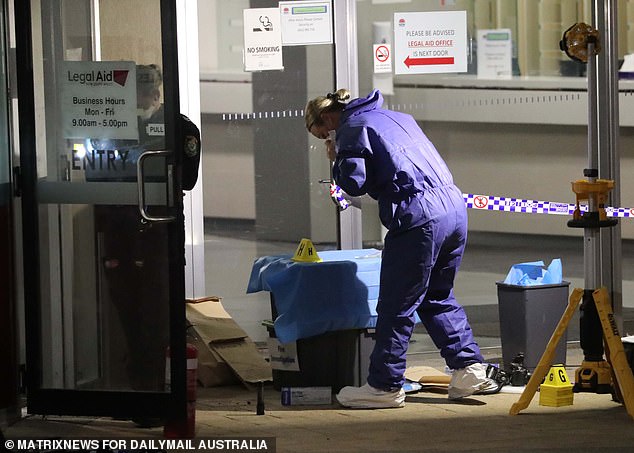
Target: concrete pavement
(429, 422)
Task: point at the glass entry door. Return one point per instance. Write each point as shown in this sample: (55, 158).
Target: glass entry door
(102, 204)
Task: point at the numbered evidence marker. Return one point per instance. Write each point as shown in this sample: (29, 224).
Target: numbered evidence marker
(306, 252)
(556, 390)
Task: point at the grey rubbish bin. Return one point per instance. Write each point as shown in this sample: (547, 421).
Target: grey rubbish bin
(528, 318)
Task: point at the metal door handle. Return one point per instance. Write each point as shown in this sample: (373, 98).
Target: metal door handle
(140, 171)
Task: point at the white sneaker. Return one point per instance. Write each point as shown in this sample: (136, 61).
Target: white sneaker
(471, 380)
(370, 398)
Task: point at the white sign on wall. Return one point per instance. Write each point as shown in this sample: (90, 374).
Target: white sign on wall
(306, 22)
(98, 100)
(262, 39)
(382, 58)
(495, 54)
(430, 42)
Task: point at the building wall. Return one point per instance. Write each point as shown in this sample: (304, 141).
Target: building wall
(531, 151)
(536, 162)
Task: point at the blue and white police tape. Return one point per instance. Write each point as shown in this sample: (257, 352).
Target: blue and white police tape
(337, 196)
(505, 204)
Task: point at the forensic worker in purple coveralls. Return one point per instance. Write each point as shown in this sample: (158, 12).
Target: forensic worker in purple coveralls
(386, 155)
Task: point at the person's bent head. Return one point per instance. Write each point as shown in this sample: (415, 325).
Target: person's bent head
(322, 113)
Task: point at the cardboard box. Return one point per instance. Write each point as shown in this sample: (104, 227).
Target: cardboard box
(226, 355)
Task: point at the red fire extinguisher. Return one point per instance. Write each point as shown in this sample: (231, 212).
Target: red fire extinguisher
(184, 429)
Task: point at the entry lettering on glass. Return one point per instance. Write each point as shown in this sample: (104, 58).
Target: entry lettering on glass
(100, 159)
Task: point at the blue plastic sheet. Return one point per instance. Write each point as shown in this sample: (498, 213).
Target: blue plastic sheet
(341, 292)
(533, 273)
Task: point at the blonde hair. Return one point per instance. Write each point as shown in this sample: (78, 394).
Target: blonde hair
(321, 104)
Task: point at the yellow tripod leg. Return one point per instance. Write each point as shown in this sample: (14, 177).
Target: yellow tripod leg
(545, 362)
(618, 361)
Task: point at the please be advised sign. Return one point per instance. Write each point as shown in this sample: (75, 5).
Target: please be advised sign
(430, 42)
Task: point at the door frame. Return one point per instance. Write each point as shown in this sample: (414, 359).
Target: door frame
(91, 402)
(8, 305)
(350, 226)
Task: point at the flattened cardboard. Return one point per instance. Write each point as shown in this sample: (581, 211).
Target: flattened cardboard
(212, 370)
(415, 373)
(213, 328)
(244, 358)
(226, 354)
(206, 308)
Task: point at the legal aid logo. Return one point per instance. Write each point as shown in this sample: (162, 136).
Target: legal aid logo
(120, 76)
(99, 77)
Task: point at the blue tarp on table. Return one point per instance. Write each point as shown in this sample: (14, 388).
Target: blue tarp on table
(338, 293)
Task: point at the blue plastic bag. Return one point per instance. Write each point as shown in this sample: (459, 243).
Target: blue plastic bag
(531, 274)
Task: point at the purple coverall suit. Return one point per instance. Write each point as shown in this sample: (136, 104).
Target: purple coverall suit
(386, 155)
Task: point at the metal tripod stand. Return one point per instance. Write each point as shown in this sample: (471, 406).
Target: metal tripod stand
(597, 324)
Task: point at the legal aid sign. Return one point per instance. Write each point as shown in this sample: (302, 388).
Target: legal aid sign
(430, 42)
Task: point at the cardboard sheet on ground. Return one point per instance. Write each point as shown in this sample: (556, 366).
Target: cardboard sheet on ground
(226, 354)
(427, 375)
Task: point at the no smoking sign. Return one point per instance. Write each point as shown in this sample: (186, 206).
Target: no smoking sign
(382, 58)
(480, 201)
